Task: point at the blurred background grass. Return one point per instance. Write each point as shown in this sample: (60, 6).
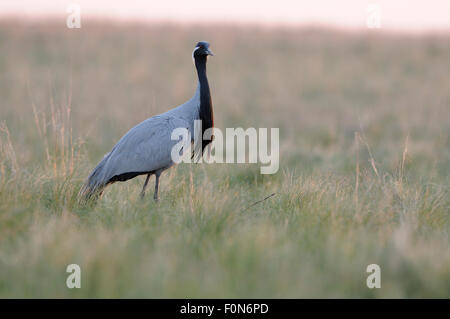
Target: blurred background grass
(364, 163)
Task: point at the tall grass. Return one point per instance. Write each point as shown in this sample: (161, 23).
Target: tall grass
(364, 172)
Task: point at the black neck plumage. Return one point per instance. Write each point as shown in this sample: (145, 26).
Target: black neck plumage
(206, 110)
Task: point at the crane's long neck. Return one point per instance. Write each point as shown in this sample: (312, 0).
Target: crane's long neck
(205, 111)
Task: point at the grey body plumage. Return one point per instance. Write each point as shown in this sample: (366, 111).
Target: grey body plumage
(146, 148)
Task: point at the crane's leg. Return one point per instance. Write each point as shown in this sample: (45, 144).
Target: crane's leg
(155, 196)
(145, 186)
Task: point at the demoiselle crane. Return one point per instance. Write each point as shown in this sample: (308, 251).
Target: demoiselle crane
(146, 148)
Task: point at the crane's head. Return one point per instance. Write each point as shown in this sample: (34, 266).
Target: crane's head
(201, 49)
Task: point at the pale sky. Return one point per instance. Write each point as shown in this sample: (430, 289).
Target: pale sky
(409, 15)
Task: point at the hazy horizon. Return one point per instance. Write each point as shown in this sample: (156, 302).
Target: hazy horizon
(399, 15)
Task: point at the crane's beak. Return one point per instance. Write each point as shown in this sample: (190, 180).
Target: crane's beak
(209, 52)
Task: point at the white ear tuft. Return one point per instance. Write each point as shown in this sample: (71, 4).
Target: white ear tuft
(193, 61)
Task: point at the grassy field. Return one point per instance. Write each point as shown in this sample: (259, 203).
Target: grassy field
(364, 173)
